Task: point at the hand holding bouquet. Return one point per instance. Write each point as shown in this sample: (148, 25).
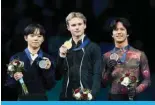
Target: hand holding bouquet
(15, 68)
(129, 81)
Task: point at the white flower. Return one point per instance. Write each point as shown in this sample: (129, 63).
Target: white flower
(11, 68)
(21, 64)
(85, 92)
(90, 96)
(14, 63)
(77, 96)
(126, 81)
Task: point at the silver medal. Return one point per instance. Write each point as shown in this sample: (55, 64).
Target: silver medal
(114, 56)
(43, 64)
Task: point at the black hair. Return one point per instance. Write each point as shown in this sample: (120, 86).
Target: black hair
(32, 27)
(125, 23)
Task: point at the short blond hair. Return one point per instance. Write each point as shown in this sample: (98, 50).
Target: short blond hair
(75, 15)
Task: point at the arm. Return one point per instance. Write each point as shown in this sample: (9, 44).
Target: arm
(97, 61)
(108, 67)
(60, 63)
(105, 73)
(144, 68)
(10, 81)
(49, 75)
(59, 67)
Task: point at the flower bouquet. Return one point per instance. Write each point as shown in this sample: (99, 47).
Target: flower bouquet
(128, 81)
(82, 94)
(17, 66)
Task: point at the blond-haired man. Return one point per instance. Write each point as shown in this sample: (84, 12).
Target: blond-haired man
(79, 62)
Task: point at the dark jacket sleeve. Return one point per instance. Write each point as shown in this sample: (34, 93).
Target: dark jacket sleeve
(49, 75)
(11, 86)
(97, 69)
(60, 66)
(10, 81)
(105, 73)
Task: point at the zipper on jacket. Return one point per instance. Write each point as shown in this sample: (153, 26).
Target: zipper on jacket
(68, 78)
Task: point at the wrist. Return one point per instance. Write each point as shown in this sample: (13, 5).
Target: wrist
(62, 56)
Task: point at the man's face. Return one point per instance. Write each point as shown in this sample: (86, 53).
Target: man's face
(76, 26)
(120, 33)
(34, 40)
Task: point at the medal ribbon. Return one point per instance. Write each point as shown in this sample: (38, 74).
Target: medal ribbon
(82, 45)
(40, 54)
(123, 58)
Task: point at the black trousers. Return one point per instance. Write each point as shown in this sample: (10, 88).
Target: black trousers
(119, 97)
(68, 98)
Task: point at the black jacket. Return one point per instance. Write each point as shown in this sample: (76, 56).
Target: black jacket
(89, 60)
(36, 79)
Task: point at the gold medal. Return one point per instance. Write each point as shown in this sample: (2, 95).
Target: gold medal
(68, 44)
